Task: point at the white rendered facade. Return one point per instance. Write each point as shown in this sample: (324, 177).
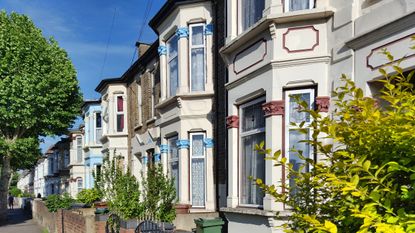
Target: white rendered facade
(76, 165)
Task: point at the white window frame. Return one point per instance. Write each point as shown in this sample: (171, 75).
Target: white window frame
(240, 26)
(79, 146)
(204, 168)
(172, 160)
(79, 189)
(289, 126)
(96, 139)
(169, 59)
(287, 5)
(119, 113)
(191, 46)
(139, 104)
(240, 149)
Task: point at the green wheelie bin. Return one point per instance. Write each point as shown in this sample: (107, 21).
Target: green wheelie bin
(209, 225)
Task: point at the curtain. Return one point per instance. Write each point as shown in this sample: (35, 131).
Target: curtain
(175, 176)
(174, 77)
(296, 5)
(120, 105)
(294, 141)
(251, 12)
(198, 69)
(198, 170)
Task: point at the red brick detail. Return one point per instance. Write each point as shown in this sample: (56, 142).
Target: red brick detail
(232, 122)
(323, 103)
(273, 108)
(182, 208)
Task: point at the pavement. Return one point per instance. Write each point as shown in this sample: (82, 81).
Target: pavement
(19, 221)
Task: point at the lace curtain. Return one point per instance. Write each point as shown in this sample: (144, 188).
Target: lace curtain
(296, 5)
(251, 12)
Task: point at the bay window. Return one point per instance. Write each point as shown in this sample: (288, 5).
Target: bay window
(294, 117)
(120, 113)
(198, 163)
(174, 162)
(98, 127)
(173, 68)
(197, 57)
(295, 5)
(78, 149)
(250, 12)
(252, 132)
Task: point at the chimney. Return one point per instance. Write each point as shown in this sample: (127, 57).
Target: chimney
(141, 48)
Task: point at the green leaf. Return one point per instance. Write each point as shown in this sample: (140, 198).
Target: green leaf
(366, 165)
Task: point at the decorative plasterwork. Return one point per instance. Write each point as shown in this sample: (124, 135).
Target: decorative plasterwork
(232, 122)
(300, 39)
(398, 48)
(208, 142)
(273, 108)
(182, 32)
(164, 148)
(209, 29)
(157, 158)
(323, 103)
(183, 144)
(162, 50)
(250, 56)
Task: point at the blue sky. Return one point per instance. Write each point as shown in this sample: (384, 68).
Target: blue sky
(82, 28)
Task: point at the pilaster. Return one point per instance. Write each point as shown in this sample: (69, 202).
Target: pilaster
(183, 147)
(232, 125)
(183, 58)
(162, 50)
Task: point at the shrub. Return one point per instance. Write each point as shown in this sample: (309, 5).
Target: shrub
(55, 202)
(15, 192)
(89, 196)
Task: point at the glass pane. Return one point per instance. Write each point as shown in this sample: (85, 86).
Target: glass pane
(252, 164)
(253, 117)
(173, 148)
(198, 182)
(294, 143)
(174, 77)
(295, 114)
(251, 12)
(172, 47)
(296, 5)
(198, 69)
(197, 145)
(197, 35)
(120, 122)
(175, 176)
(79, 149)
(98, 120)
(120, 105)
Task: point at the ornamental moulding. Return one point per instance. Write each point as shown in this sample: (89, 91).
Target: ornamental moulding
(164, 148)
(273, 108)
(182, 32)
(209, 29)
(232, 122)
(208, 142)
(182, 144)
(162, 50)
(323, 103)
(157, 157)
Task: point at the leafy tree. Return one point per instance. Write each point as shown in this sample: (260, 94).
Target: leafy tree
(39, 95)
(366, 181)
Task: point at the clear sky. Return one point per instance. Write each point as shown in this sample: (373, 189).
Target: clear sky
(99, 35)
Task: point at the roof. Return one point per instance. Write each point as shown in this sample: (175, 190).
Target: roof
(107, 81)
(90, 101)
(167, 9)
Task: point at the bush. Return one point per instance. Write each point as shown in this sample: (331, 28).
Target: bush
(15, 192)
(366, 181)
(55, 202)
(89, 196)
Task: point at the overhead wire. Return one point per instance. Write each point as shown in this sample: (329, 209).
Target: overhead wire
(142, 25)
(108, 42)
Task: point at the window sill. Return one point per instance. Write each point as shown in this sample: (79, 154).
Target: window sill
(173, 99)
(138, 126)
(248, 211)
(153, 119)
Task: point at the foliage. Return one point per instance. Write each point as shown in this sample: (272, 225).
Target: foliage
(15, 192)
(89, 196)
(365, 183)
(55, 202)
(160, 195)
(27, 194)
(120, 190)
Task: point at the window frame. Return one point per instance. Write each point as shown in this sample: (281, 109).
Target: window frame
(191, 47)
(79, 152)
(173, 160)
(287, 5)
(289, 126)
(139, 104)
(240, 26)
(153, 93)
(204, 157)
(79, 180)
(96, 128)
(169, 59)
(240, 149)
(118, 113)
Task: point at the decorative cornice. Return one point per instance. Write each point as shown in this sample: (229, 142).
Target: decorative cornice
(209, 29)
(274, 108)
(208, 142)
(183, 144)
(157, 158)
(182, 32)
(164, 148)
(162, 50)
(232, 122)
(323, 103)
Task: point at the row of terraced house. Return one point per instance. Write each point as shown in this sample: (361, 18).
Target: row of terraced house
(221, 77)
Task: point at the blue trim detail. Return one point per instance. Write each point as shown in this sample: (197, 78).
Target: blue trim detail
(145, 160)
(208, 142)
(209, 29)
(183, 144)
(162, 50)
(157, 158)
(164, 148)
(182, 32)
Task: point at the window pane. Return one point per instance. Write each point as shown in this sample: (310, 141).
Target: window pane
(198, 182)
(172, 47)
(174, 77)
(197, 35)
(175, 176)
(252, 164)
(79, 149)
(296, 5)
(120, 105)
(295, 114)
(253, 117)
(198, 69)
(197, 145)
(98, 120)
(120, 122)
(294, 139)
(173, 148)
(251, 12)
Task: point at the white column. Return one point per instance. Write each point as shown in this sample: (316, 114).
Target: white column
(164, 153)
(183, 58)
(233, 125)
(231, 19)
(183, 147)
(209, 57)
(162, 50)
(209, 175)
